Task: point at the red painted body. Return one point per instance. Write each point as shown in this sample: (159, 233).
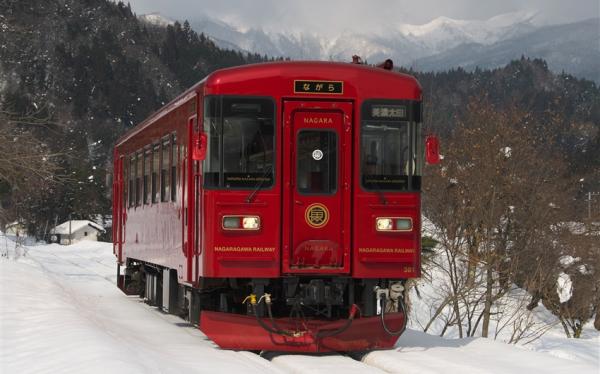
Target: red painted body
(186, 233)
(364, 334)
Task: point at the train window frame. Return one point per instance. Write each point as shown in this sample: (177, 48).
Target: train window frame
(139, 159)
(125, 177)
(174, 166)
(338, 149)
(131, 180)
(413, 121)
(147, 165)
(165, 146)
(155, 178)
(219, 109)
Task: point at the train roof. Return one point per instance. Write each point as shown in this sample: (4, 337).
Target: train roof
(304, 69)
(266, 79)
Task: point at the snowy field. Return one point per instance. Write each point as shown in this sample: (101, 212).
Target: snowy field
(61, 312)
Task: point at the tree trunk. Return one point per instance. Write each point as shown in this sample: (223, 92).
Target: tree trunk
(472, 262)
(577, 330)
(437, 313)
(458, 319)
(487, 308)
(535, 300)
(564, 325)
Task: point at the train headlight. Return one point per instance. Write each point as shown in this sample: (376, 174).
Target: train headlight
(241, 223)
(384, 224)
(393, 224)
(251, 223)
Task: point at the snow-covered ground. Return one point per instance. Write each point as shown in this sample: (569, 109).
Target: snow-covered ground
(61, 312)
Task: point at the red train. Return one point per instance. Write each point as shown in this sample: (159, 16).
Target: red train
(277, 205)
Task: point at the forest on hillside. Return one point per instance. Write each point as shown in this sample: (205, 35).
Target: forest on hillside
(77, 74)
(74, 76)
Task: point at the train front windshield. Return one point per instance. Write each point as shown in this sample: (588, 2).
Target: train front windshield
(241, 140)
(391, 154)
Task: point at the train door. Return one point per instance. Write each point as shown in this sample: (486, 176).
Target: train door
(191, 232)
(118, 207)
(317, 168)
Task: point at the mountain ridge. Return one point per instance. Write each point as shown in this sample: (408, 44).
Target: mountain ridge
(436, 45)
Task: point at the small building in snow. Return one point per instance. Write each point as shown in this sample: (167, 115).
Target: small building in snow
(76, 230)
(15, 229)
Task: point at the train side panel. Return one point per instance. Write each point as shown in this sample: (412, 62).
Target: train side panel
(153, 224)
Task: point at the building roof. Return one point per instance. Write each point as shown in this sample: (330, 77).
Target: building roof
(76, 225)
(13, 224)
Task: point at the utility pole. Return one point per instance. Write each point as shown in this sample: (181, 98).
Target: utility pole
(589, 199)
(69, 229)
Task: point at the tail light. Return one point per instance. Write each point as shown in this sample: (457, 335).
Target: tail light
(241, 223)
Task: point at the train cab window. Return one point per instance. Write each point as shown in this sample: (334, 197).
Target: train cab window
(390, 159)
(138, 178)
(419, 153)
(241, 139)
(164, 171)
(155, 169)
(317, 162)
(131, 178)
(174, 165)
(147, 172)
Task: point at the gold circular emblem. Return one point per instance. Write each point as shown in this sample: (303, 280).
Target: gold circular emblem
(316, 215)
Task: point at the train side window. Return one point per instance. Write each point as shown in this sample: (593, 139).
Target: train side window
(138, 178)
(164, 171)
(174, 165)
(147, 171)
(418, 156)
(213, 128)
(155, 169)
(131, 178)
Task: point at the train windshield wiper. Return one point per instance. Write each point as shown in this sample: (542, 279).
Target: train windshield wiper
(378, 190)
(381, 195)
(259, 185)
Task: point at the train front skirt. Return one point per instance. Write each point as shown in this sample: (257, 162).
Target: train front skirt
(240, 332)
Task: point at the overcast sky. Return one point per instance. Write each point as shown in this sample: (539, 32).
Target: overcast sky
(335, 16)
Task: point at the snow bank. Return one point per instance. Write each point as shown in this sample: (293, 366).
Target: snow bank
(61, 312)
(539, 330)
(421, 353)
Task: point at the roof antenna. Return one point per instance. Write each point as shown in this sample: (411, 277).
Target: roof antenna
(356, 59)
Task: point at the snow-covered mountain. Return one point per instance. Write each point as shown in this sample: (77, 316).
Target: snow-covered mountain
(440, 44)
(572, 48)
(444, 33)
(156, 19)
(439, 35)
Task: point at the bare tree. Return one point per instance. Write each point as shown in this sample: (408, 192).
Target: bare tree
(494, 200)
(576, 297)
(27, 161)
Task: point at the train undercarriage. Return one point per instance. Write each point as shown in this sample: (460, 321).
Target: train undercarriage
(292, 313)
